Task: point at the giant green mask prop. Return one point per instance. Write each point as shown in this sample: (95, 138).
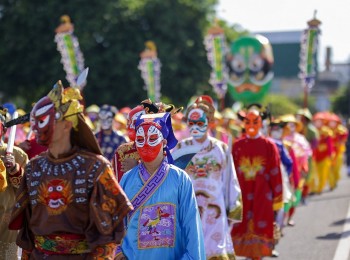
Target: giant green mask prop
(250, 68)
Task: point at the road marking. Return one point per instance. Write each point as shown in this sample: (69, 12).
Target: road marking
(343, 248)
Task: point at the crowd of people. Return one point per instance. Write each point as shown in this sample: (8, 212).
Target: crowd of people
(158, 181)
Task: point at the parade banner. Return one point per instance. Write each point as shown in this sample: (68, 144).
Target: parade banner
(150, 71)
(250, 64)
(215, 45)
(308, 54)
(71, 55)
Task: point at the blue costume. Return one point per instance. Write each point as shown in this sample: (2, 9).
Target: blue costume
(165, 222)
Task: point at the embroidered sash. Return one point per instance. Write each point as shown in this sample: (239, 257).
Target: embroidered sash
(152, 183)
(62, 244)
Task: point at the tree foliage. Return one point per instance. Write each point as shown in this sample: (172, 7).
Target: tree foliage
(341, 101)
(111, 34)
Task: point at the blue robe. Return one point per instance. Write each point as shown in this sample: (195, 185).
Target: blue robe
(168, 225)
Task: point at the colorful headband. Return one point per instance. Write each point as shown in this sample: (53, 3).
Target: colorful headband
(162, 121)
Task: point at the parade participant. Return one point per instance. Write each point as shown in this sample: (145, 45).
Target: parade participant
(165, 222)
(69, 204)
(276, 134)
(311, 134)
(12, 169)
(257, 163)
(108, 138)
(126, 155)
(214, 179)
(340, 135)
(303, 152)
(324, 151)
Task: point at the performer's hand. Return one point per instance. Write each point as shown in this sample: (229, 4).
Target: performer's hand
(10, 162)
(128, 164)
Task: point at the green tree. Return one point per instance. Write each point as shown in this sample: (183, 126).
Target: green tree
(111, 34)
(341, 101)
(280, 105)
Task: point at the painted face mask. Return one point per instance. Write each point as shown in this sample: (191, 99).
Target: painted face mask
(148, 142)
(252, 123)
(198, 123)
(42, 120)
(250, 68)
(106, 119)
(131, 118)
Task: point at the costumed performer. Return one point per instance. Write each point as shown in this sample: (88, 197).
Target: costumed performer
(165, 222)
(210, 167)
(12, 170)
(69, 204)
(257, 163)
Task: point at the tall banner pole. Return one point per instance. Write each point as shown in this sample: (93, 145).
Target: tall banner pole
(308, 56)
(71, 55)
(215, 45)
(149, 66)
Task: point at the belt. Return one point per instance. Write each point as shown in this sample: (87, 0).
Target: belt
(62, 244)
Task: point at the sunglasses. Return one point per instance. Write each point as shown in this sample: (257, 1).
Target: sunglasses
(198, 123)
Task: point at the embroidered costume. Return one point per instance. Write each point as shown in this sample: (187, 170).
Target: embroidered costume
(214, 180)
(257, 163)
(68, 206)
(165, 222)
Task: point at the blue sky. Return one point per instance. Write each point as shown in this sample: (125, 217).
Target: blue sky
(282, 15)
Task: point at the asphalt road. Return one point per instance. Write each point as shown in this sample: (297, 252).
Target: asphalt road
(322, 230)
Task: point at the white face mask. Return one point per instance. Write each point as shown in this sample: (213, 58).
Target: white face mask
(197, 123)
(277, 134)
(106, 119)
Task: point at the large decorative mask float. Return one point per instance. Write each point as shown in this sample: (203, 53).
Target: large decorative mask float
(250, 68)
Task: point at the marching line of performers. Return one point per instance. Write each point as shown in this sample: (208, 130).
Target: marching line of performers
(156, 181)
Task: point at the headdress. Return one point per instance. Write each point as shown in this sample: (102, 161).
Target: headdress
(66, 102)
(159, 107)
(162, 121)
(68, 107)
(263, 112)
(305, 112)
(205, 103)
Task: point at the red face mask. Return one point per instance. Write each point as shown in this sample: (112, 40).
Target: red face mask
(252, 123)
(132, 116)
(148, 142)
(42, 119)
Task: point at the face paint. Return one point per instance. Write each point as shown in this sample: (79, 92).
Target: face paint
(42, 119)
(131, 118)
(148, 142)
(197, 123)
(252, 123)
(106, 119)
